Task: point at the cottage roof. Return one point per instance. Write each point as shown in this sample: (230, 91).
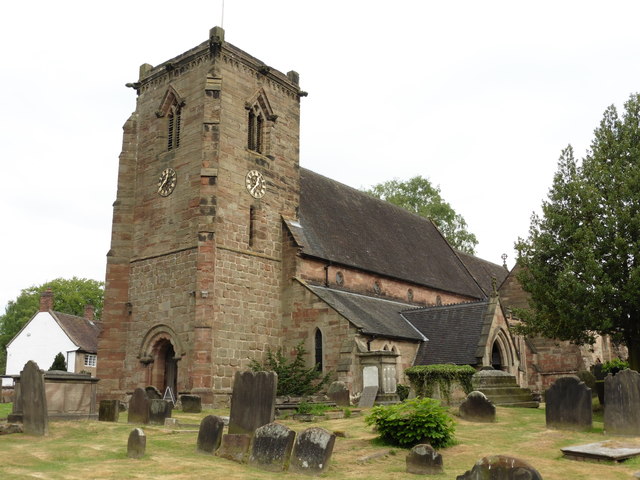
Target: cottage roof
(345, 226)
(372, 315)
(82, 332)
(453, 330)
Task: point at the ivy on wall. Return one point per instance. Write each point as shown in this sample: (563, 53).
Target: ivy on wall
(424, 378)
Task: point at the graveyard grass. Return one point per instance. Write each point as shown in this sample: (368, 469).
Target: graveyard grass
(97, 450)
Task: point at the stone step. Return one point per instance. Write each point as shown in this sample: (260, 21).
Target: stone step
(530, 404)
(505, 391)
(494, 381)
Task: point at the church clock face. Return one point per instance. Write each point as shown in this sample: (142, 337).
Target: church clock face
(255, 183)
(167, 182)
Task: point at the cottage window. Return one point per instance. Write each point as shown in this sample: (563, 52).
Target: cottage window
(90, 360)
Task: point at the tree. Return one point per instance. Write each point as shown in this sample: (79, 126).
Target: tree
(69, 296)
(581, 261)
(59, 363)
(418, 196)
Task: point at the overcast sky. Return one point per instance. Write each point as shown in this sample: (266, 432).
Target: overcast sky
(478, 96)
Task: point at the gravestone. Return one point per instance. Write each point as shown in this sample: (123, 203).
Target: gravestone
(137, 443)
(152, 392)
(312, 451)
(368, 396)
(607, 451)
(424, 460)
(622, 403)
(252, 401)
(35, 418)
(501, 467)
(568, 404)
(210, 434)
(271, 448)
(191, 403)
(109, 410)
(139, 407)
(235, 446)
(339, 394)
(478, 408)
(159, 410)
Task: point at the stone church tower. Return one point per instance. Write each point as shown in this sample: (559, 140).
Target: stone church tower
(209, 166)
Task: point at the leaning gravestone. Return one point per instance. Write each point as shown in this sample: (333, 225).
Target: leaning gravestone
(35, 417)
(622, 403)
(339, 394)
(139, 407)
(210, 434)
(252, 401)
(478, 408)
(191, 403)
(312, 451)
(368, 396)
(159, 410)
(501, 467)
(137, 443)
(568, 404)
(272, 445)
(424, 460)
(109, 410)
(235, 446)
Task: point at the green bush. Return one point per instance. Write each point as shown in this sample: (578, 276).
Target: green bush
(614, 366)
(59, 363)
(306, 408)
(420, 420)
(424, 378)
(402, 391)
(294, 378)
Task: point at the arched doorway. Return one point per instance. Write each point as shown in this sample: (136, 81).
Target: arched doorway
(165, 366)
(496, 357)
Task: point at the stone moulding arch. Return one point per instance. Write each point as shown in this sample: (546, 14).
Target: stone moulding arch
(171, 98)
(505, 347)
(151, 339)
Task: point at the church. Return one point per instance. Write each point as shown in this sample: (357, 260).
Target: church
(223, 247)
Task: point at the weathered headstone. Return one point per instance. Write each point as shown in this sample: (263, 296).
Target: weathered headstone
(235, 446)
(34, 400)
(368, 396)
(568, 404)
(139, 407)
(312, 451)
(339, 394)
(191, 403)
(137, 443)
(159, 410)
(210, 434)
(622, 403)
(271, 448)
(501, 467)
(152, 392)
(609, 451)
(252, 401)
(109, 410)
(478, 408)
(424, 460)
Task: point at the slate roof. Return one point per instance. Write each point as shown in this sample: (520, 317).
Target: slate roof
(345, 226)
(453, 332)
(484, 271)
(82, 332)
(372, 315)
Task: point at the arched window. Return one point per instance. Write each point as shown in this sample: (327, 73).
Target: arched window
(318, 349)
(173, 127)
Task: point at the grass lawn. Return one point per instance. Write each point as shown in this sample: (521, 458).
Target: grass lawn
(97, 450)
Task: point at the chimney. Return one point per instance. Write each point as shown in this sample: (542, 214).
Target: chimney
(46, 300)
(89, 312)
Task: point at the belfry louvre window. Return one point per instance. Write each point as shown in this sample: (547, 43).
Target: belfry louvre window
(173, 128)
(255, 140)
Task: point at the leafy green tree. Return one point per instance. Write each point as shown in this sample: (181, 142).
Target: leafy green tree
(59, 363)
(581, 261)
(294, 378)
(418, 196)
(69, 296)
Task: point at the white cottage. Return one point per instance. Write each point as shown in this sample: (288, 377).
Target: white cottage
(49, 333)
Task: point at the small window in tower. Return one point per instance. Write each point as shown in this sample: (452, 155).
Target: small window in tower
(252, 225)
(318, 345)
(255, 131)
(173, 128)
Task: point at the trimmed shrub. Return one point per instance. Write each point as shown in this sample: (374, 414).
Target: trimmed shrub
(59, 363)
(420, 420)
(402, 391)
(614, 366)
(424, 378)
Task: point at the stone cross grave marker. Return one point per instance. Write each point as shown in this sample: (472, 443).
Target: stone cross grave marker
(501, 467)
(210, 434)
(272, 445)
(139, 407)
(478, 408)
(137, 443)
(312, 451)
(424, 460)
(34, 400)
(568, 404)
(622, 403)
(253, 401)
